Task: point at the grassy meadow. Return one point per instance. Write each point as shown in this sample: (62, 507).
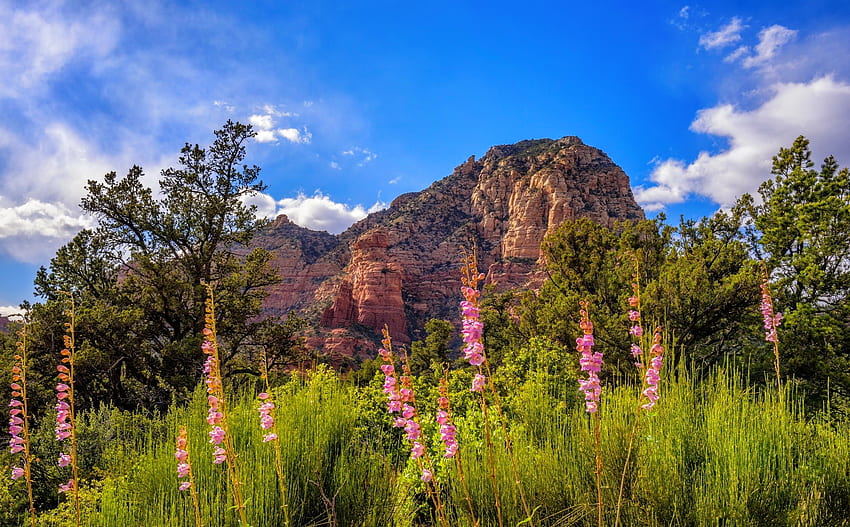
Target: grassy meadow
(710, 453)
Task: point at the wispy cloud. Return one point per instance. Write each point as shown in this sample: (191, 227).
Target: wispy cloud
(362, 154)
(723, 37)
(771, 39)
(317, 212)
(818, 109)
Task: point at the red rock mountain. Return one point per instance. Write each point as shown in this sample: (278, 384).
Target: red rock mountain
(400, 266)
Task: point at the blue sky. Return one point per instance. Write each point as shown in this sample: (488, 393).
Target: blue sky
(358, 102)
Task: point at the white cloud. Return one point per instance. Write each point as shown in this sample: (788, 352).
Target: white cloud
(818, 109)
(394, 180)
(293, 135)
(318, 212)
(264, 125)
(5, 311)
(32, 232)
(261, 122)
(771, 39)
(684, 12)
(334, 165)
(725, 36)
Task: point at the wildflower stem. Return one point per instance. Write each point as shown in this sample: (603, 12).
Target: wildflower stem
(69, 357)
(19, 376)
(491, 457)
(632, 435)
(508, 447)
(281, 480)
(217, 387)
(598, 442)
(446, 405)
(477, 356)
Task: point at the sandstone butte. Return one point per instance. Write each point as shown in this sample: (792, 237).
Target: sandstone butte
(401, 266)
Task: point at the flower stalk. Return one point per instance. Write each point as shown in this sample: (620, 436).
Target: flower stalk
(473, 336)
(591, 362)
(19, 419)
(649, 373)
(269, 425)
(403, 400)
(771, 322)
(448, 433)
(184, 470)
(220, 435)
(66, 424)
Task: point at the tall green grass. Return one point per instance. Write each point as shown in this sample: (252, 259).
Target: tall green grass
(712, 453)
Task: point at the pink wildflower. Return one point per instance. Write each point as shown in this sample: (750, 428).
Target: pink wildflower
(269, 437)
(67, 487)
(412, 429)
(184, 469)
(220, 456)
(266, 410)
(448, 432)
(590, 361)
(771, 319)
(417, 450)
(17, 472)
(216, 435)
(473, 328)
(64, 459)
(478, 383)
(427, 475)
(653, 373)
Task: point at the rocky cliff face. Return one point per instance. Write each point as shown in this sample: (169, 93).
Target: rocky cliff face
(400, 266)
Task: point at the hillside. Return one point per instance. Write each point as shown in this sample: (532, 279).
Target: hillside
(399, 266)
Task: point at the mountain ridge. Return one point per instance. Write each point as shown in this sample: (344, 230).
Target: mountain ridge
(399, 266)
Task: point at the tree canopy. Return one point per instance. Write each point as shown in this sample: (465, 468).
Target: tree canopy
(138, 278)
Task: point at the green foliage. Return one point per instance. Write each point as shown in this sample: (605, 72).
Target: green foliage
(138, 278)
(801, 230)
(434, 350)
(696, 281)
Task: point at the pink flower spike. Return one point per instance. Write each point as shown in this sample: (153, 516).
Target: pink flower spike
(64, 459)
(17, 472)
(478, 383)
(417, 450)
(182, 470)
(269, 437)
(427, 475)
(216, 435)
(67, 487)
(263, 396)
(220, 456)
(185, 485)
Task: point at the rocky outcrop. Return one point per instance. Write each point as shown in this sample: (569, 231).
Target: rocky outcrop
(370, 294)
(400, 267)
